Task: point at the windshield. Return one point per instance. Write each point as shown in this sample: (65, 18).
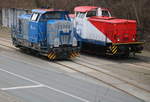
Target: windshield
(54, 15)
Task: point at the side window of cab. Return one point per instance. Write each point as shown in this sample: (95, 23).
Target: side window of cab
(91, 13)
(77, 13)
(105, 13)
(81, 15)
(34, 17)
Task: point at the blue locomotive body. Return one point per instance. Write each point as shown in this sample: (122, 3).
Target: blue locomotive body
(48, 32)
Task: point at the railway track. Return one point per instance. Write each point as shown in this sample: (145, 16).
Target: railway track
(96, 74)
(86, 69)
(126, 67)
(140, 64)
(113, 75)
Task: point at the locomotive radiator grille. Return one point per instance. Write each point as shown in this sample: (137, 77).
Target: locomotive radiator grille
(64, 39)
(64, 30)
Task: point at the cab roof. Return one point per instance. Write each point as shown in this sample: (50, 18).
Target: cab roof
(86, 8)
(47, 10)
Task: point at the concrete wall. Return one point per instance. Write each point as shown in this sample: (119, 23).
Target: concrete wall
(10, 16)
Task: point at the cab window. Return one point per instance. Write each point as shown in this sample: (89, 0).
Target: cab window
(34, 17)
(77, 13)
(91, 13)
(105, 13)
(66, 16)
(81, 14)
(54, 15)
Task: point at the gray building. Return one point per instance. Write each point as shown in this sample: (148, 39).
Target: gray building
(10, 9)
(0, 16)
(9, 16)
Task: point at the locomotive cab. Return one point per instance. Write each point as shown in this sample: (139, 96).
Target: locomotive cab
(93, 11)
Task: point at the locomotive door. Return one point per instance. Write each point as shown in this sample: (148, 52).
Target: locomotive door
(33, 28)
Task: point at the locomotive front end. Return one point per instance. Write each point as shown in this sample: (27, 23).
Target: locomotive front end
(61, 39)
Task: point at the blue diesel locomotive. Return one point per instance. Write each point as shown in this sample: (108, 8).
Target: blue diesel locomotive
(48, 32)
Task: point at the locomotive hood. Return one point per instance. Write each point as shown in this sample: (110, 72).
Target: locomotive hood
(112, 20)
(60, 32)
(60, 25)
(117, 30)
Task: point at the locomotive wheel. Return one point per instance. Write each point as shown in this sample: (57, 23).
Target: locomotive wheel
(125, 55)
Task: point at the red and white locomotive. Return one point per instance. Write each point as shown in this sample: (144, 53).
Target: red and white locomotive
(101, 33)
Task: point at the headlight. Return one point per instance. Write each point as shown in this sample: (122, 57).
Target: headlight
(118, 39)
(74, 42)
(133, 39)
(56, 42)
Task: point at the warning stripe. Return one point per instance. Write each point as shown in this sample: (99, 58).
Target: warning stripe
(52, 56)
(115, 52)
(114, 49)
